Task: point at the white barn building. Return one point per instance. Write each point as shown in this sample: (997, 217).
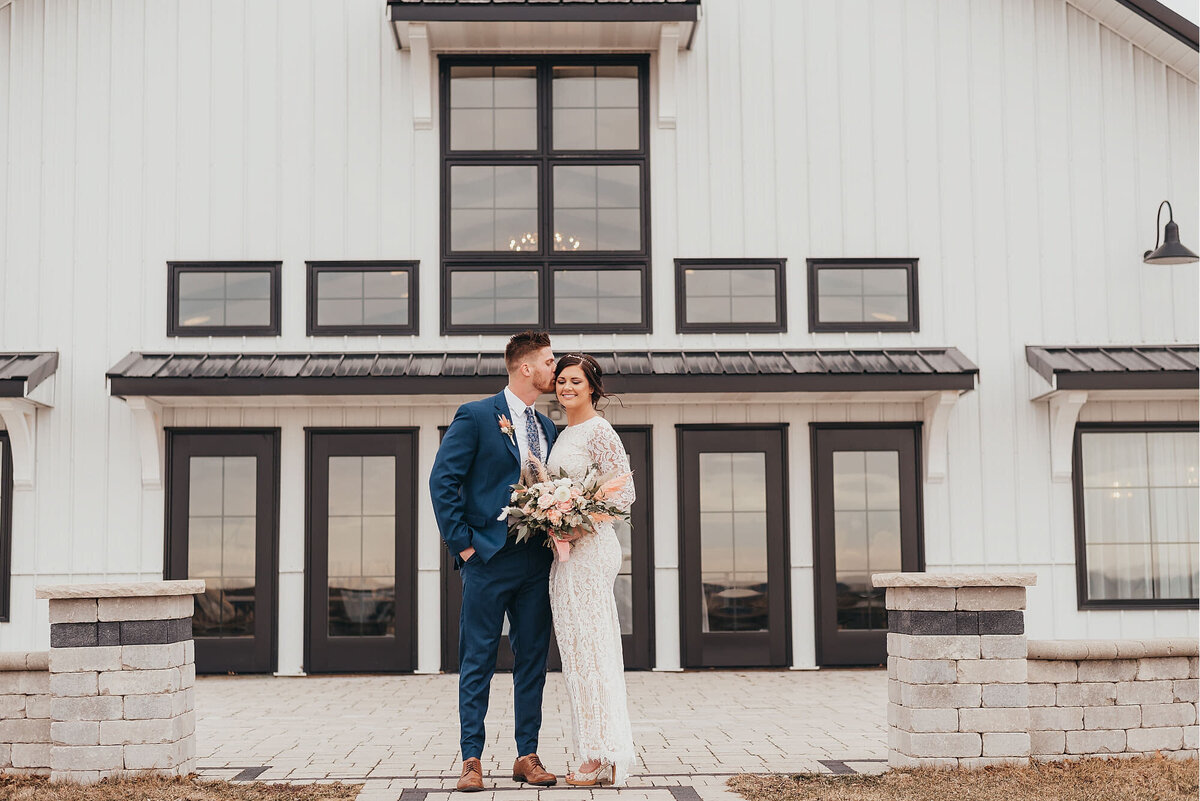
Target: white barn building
(867, 275)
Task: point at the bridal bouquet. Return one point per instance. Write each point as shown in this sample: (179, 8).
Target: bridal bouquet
(560, 507)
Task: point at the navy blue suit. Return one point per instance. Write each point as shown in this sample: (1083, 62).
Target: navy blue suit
(471, 480)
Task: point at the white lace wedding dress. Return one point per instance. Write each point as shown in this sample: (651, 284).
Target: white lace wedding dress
(585, 610)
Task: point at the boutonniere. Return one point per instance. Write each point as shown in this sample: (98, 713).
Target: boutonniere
(506, 428)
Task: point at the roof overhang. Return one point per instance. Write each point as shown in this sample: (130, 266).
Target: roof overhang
(1112, 372)
(1069, 377)
(1151, 26)
(23, 390)
(22, 373)
(909, 373)
(542, 26)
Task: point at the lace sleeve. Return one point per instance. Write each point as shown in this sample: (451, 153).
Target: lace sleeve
(606, 450)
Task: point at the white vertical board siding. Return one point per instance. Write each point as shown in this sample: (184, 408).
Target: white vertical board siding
(1018, 150)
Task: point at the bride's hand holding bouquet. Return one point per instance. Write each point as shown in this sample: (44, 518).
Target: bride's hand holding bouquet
(563, 509)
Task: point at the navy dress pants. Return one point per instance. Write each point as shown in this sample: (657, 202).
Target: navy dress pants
(516, 581)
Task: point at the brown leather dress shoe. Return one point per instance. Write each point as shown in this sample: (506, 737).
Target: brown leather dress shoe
(529, 769)
(471, 780)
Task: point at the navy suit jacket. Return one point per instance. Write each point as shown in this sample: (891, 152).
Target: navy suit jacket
(473, 474)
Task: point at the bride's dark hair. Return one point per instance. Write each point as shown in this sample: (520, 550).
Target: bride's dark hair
(591, 371)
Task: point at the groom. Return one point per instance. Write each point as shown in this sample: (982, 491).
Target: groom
(480, 458)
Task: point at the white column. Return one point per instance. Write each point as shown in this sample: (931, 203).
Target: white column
(292, 503)
(666, 540)
(800, 542)
(429, 545)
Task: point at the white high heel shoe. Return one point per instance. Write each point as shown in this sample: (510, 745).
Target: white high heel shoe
(603, 774)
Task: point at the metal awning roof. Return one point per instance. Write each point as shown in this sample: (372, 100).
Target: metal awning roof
(514, 26)
(20, 373)
(1117, 367)
(247, 374)
(544, 10)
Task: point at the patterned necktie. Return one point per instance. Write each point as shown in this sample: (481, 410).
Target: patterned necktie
(531, 434)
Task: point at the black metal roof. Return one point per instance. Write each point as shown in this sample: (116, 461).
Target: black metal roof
(545, 10)
(929, 369)
(21, 372)
(1117, 366)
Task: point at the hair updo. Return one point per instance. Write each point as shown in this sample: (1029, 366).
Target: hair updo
(591, 371)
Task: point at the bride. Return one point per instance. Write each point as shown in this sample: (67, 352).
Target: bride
(581, 589)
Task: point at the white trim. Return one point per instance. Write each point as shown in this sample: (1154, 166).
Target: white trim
(668, 50)
(148, 430)
(937, 416)
(1064, 412)
(420, 61)
(20, 418)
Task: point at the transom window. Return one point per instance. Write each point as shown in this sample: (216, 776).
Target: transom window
(362, 297)
(730, 295)
(1137, 489)
(862, 295)
(223, 299)
(545, 194)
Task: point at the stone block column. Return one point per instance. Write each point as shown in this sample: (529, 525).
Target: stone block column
(957, 691)
(122, 670)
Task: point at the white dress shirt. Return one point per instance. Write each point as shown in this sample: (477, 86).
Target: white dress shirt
(516, 408)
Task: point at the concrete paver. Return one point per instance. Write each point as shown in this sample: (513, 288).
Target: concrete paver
(399, 734)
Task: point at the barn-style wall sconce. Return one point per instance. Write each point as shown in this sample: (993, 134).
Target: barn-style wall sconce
(1171, 251)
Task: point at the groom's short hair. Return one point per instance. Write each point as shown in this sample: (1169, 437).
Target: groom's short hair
(523, 344)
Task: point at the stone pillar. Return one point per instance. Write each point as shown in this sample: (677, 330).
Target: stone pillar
(122, 670)
(957, 692)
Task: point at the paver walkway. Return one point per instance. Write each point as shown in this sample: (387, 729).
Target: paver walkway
(399, 734)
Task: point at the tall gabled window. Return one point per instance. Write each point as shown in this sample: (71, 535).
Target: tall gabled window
(1137, 487)
(545, 194)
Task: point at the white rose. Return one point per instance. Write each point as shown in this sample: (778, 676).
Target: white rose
(563, 482)
(562, 493)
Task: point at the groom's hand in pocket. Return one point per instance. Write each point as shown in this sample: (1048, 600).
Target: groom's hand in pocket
(466, 555)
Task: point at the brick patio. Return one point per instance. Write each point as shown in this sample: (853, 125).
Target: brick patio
(399, 734)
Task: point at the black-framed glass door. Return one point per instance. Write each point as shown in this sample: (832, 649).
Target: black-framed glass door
(360, 588)
(733, 545)
(633, 589)
(867, 519)
(222, 527)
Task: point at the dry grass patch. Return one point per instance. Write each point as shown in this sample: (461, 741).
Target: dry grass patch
(1140, 779)
(169, 788)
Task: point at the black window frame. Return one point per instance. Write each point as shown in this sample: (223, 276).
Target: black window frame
(6, 511)
(1081, 575)
(815, 325)
(682, 326)
(315, 268)
(545, 260)
(176, 268)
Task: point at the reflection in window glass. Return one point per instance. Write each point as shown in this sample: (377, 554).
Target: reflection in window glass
(362, 546)
(1140, 497)
(596, 108)
(492, 208)
(736, 295)
(222, 513)
(493, 108)
(733, 541)
(862, 295)
(597, 208)
(866, 533)
(362, 298)
(224, 298)
(595, 296)
(493, 297)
